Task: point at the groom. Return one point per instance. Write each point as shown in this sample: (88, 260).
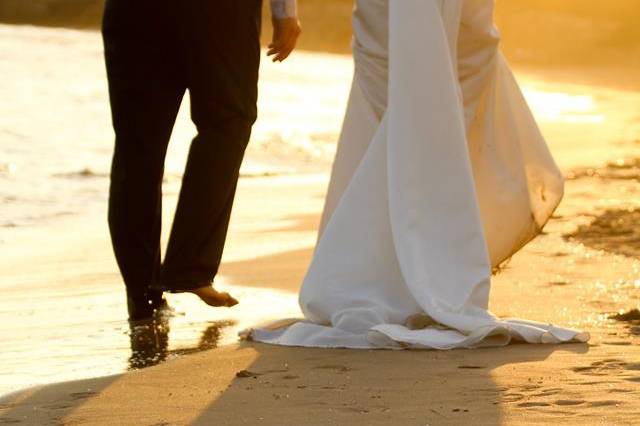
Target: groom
(155, 50)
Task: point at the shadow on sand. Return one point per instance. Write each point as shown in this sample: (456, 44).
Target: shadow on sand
(279, 386)
(323, 386)
(261, 384)
(149, 346)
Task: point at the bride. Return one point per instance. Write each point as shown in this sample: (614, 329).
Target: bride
(441, 174)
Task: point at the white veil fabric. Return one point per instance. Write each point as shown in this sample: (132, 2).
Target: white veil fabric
(441, 174)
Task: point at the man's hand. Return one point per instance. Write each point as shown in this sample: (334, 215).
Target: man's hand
(285, 36)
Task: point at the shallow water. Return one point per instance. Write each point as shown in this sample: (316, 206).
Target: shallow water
(55, 130)
(56, 137)
(55, 148)
(74, 333)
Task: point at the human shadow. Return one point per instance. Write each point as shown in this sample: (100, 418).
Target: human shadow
(313, 386)
(149, 340)
(335, 386)
(276, 385)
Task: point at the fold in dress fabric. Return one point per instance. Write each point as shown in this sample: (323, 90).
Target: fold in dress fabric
(441, 174)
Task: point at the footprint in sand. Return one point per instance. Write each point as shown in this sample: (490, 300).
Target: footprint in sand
(548, 392)
(533, 404)
(352, 410)
(290, 377)
(558, 283)
(58, 406)
(613, 367)
(82, 395)
(608, 403)
(610, 362)
(565, 402)
(337, 368)
(534, 392)
(597, 382)
(601, 368)
(513, 397)
(620, 391)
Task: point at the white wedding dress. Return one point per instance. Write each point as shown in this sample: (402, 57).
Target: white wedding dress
(441, 174)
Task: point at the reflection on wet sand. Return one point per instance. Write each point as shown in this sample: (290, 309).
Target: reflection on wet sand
(82, 331)
(150, 341)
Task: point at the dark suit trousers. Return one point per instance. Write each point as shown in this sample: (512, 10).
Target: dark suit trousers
(156, 50)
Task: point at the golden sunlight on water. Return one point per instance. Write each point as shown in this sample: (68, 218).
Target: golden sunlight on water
(567, 107)
(72, 333)
(56, 140)
(602, 122)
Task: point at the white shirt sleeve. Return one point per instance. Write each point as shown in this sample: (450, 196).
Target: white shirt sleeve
(281, 9)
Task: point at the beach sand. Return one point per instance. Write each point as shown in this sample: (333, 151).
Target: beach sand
(556, 278)
(62, 312)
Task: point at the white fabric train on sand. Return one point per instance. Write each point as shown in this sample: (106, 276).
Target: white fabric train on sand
(440, 175)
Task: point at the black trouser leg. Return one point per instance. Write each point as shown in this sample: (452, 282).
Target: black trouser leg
(146, 88)
(223, 54)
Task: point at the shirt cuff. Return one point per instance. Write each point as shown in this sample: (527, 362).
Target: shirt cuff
(282, 9)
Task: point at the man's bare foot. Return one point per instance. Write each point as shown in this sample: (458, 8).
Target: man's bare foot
(212, 297)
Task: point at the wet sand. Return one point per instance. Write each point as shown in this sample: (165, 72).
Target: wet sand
(62, 308)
